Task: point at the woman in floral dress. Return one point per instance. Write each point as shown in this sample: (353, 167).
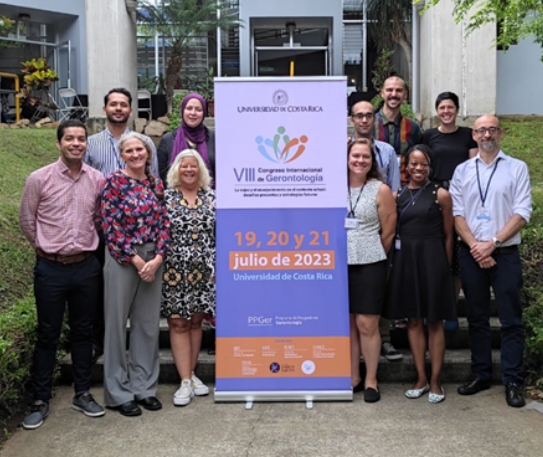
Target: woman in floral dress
(188, 288)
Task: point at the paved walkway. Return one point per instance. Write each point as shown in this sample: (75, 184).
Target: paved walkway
(478, 426)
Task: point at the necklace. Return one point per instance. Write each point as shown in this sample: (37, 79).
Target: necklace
(418, 190)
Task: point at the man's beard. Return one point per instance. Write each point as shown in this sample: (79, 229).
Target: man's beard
(112, 120)
(489, 145)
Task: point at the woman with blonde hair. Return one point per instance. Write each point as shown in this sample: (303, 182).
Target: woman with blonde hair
(188, 288)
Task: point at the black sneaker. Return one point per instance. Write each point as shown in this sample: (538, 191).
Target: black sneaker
(513, 395)
(87, 405)
(389, 352)
(37, 415)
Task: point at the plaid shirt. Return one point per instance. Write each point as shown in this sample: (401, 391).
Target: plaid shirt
(401, 134)
(60, 214)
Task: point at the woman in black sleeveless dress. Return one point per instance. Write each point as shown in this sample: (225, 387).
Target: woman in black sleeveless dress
(421, 284)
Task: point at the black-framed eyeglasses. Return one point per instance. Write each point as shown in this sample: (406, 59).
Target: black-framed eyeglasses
(360, 116)
(491, 130)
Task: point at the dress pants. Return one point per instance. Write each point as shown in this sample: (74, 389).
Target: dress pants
(56, 284)
(127, 296)
(506, 281)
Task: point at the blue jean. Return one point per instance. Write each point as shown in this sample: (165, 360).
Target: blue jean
(55, 284)
(505, 278)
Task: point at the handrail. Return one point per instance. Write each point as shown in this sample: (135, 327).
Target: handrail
(17, 89)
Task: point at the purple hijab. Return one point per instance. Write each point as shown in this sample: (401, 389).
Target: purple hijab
(196, 135)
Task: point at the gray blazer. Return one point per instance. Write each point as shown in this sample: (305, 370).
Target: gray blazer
(164, 152)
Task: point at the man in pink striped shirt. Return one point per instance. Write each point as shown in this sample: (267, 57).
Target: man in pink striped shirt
(59, 214)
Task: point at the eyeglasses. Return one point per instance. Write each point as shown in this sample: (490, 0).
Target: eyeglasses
(491, 130)
(360, 116)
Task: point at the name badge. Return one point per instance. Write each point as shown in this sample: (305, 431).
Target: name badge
(351, 223)
(483, 214)
(397, 244)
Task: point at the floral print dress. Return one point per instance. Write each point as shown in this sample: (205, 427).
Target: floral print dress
(188, 284)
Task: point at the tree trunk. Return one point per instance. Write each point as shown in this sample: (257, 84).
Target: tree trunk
(172, 75)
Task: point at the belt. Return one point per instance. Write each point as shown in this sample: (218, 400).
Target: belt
(64, 259)
(502, 250)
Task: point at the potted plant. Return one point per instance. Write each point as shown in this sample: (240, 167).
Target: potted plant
(207, 90)
(38, 76)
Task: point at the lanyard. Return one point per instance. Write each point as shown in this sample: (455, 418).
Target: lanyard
(351, 213)
(376, 152)
(378, 155)
(483, 196)
(412, 201)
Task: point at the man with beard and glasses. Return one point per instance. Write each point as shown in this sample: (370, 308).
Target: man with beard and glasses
(102, 154)
(492, 202)
(391, 126)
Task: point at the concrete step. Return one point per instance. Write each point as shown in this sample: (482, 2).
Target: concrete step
(454, 339)
(456, 367)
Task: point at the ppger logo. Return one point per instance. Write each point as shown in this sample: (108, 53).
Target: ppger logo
(282, 148)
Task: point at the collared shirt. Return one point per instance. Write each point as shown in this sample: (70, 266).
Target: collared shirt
(509, 193)
(60, 214)
(387, 163)
(401, 133)
(103, 155)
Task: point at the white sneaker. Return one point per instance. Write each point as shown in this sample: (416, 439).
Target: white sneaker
(184, 394)
(198, 387)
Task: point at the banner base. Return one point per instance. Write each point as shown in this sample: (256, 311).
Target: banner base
(308, 396)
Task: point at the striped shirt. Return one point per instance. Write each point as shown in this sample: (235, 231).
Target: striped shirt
(401, 133)
(103, 155)
(60, 214)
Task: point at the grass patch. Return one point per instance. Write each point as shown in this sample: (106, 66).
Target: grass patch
(21, 152)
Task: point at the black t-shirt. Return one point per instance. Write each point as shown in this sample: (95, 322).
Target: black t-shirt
(448, 149)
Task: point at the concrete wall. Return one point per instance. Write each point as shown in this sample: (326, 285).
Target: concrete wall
(67, 19)
(520, 77)
(111, 50)
(290, 10)
(452, 61)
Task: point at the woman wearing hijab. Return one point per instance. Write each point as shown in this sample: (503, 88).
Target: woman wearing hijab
(191, 134)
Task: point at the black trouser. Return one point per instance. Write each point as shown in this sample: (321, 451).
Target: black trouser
(56, 284)
(505, 278)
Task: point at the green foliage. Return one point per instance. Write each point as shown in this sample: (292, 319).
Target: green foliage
(519, 19)
(175, 119)
(382, 68)
(21, 152)
(17, 341)
(39, 76)
(181, 21)
(388, 21)
(405, 108)
(522, 141)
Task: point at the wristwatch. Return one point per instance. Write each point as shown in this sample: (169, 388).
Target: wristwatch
(497, 243)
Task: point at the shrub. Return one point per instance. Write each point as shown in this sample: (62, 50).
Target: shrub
(175, 119)
(17, 341)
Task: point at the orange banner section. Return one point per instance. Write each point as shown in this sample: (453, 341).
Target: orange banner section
(283, 357)
(282, 260)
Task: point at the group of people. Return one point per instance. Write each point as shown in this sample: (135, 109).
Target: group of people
(123, 232)
(118, 247)
(422, 211)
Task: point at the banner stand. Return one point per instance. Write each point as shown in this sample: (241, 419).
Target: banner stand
(281, 395)
(282, 329)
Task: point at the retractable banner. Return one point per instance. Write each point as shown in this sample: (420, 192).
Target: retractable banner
(282, 299)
